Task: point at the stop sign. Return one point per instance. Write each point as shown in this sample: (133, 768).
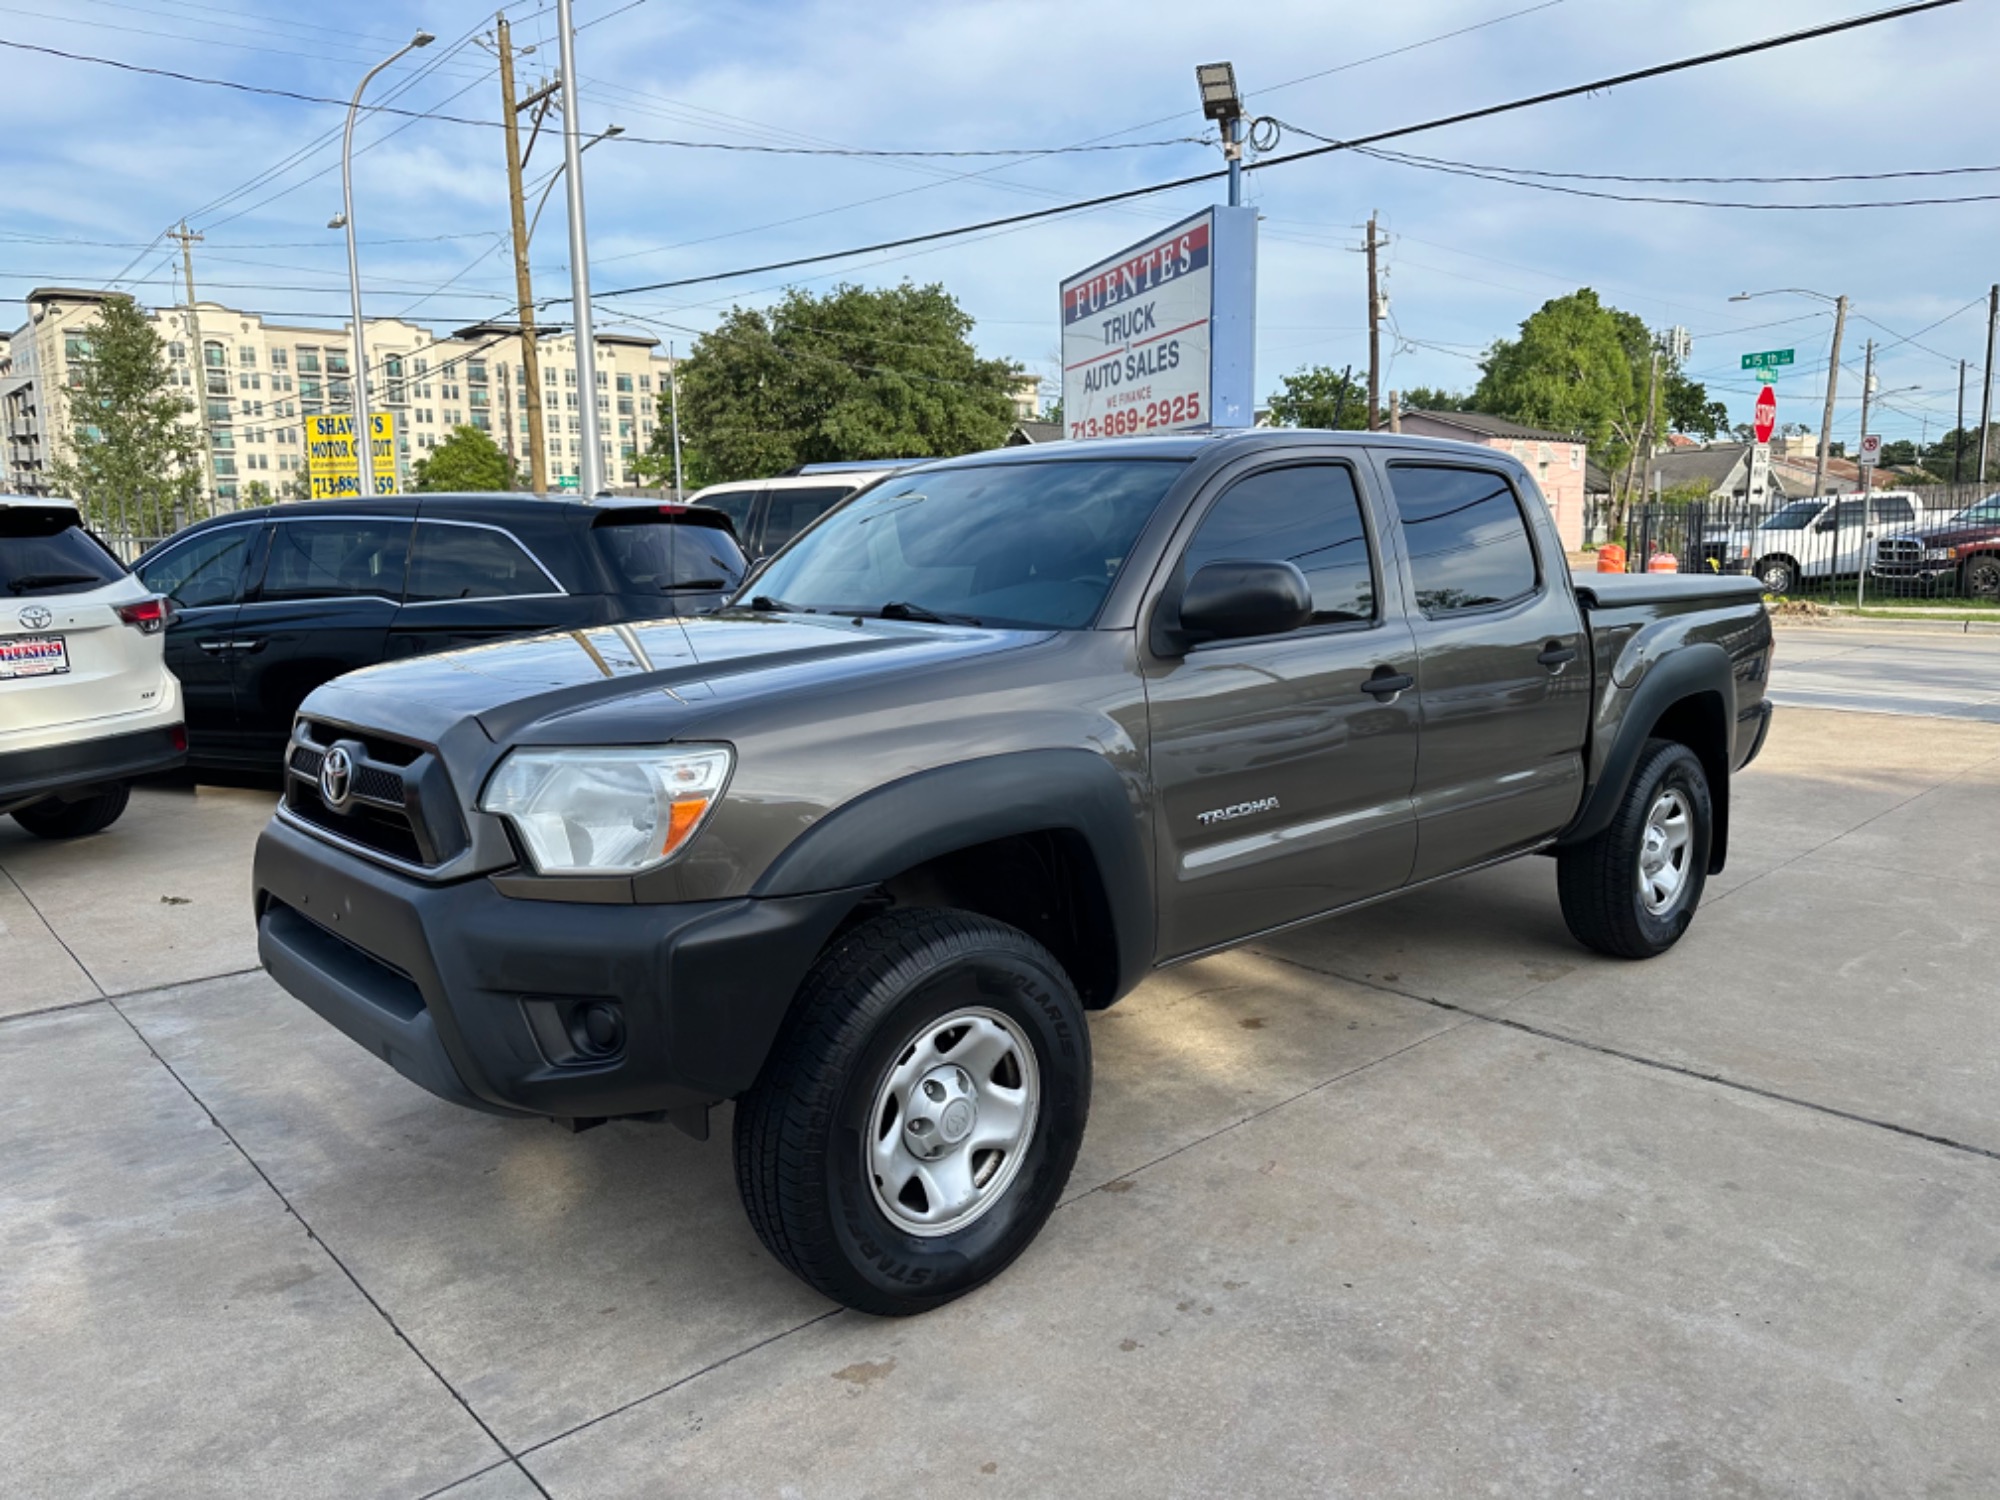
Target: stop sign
(1767, 414)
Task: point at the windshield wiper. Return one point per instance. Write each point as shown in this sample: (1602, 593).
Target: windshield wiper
(902, 609)
(48, 580)
(764, 604)
(699, 583)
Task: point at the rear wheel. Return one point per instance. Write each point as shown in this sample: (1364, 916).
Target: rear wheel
(56, 819)
(920, 1113)
(1780, 575)
(1632, 890)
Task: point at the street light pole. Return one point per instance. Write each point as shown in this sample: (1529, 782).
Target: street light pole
(363, 442)
(590, 473)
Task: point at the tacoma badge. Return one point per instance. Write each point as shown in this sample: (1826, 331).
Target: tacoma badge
(1240, 810)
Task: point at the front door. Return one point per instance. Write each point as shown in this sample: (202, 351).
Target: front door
(1282, 782)
(1503, 669)
(203, 577)
(330, 589)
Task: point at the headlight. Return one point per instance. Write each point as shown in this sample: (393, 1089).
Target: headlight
(607, 812)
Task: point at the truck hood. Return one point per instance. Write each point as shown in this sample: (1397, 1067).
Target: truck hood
(684, 667)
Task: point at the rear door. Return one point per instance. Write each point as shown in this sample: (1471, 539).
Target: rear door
(1502, 670)
(203, 576)
(65, 656)
(469, 583)
(1283, 782)
(331, 587)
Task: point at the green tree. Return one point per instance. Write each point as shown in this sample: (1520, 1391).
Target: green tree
(855, 374)
(1434, 398)
(1321, 396)
(1688, 409)
(134, 460)
(466, 460)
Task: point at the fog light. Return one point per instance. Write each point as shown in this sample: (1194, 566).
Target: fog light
(597, 1029)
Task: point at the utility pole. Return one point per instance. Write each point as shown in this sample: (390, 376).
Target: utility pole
(531, 363)
(1986, 380)
(196, 363)
(1395, 414)
(1374, 335)
(1958, 437)
(1832, 382)
(674, 413)
(590, 475)
(1867, 393)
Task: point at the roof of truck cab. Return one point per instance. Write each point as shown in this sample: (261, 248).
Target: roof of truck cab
(1184, 446)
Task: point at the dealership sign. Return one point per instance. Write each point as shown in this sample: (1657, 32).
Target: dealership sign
(333, 468)
(1162, 337)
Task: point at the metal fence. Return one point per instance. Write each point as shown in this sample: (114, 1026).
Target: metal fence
(1940, 542)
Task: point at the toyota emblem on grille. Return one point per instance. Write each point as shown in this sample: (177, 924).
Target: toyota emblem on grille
(336, 777)
(34, 617)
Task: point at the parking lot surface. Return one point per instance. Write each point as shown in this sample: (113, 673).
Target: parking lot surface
(1425, 1200)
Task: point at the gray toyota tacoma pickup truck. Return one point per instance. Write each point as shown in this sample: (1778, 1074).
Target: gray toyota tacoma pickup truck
(970, 758)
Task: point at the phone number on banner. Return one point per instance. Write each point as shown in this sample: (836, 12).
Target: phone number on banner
(1147, 418)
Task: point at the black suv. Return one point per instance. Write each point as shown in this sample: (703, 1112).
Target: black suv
(270, 603)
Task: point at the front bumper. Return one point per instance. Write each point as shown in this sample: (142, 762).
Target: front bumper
(29, 775)
(439, 980)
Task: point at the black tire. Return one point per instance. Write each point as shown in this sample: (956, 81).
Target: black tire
(1779, 575)
(1599, 880)
(801, 1159)
(1982, 576)
(55, 819)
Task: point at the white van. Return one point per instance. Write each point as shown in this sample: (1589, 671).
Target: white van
(86, 700)
(767, 513)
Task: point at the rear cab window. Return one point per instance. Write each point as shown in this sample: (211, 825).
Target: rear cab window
(1466, 536)
(44, 550)
(652, 550)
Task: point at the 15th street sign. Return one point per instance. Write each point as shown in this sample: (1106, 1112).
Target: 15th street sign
(1770, 359)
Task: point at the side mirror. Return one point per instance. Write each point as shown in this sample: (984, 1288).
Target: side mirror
(1826, 523)
(1231, 600)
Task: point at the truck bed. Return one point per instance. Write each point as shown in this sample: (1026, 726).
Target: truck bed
(1618, 590)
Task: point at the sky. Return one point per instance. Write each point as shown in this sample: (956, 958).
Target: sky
(96, 162)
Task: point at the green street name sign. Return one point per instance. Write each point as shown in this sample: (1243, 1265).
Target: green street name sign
(1770, 359)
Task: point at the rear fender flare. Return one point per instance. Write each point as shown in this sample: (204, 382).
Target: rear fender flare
(910, 822)
(1690, 670)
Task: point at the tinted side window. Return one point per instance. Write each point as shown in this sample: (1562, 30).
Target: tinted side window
(207, 569)
(736, 506)
(792, 511)
(470, 562)
(337, 559)
(1894, 510)
(1848, 513)
(1309, 515)
(1467, 539)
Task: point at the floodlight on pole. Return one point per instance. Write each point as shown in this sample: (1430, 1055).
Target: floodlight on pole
(1221, 103)
(363, 443)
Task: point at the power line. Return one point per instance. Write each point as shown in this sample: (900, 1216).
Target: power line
(1467, 166)
(1745, 49)
(1397, 158)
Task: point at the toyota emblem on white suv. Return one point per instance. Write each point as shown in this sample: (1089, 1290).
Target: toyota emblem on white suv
(336, 777)
(35, 617)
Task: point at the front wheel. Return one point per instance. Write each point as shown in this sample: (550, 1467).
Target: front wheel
(1982, 576)
(55, 819)
(1632, 890)
(920, 1113)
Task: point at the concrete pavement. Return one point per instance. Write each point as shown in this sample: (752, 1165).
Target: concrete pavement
(1422, 1201)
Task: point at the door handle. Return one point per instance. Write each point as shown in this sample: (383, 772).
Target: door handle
(1555, 656)
(1386, 682)
(215, 648)
(250, 647)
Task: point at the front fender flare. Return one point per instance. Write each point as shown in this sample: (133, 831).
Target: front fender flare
(922, 817)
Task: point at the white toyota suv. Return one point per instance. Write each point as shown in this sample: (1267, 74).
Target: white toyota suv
(86, 700)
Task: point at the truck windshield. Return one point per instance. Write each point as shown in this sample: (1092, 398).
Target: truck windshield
(1986, 510)
(1020, 544)
(1795, 517)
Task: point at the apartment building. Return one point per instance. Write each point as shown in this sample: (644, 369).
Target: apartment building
(250, 382)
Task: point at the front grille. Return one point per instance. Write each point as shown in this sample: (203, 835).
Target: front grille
(403, 810)
(1897, 549)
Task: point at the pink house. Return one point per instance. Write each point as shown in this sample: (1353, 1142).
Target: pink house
(1555, 459)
